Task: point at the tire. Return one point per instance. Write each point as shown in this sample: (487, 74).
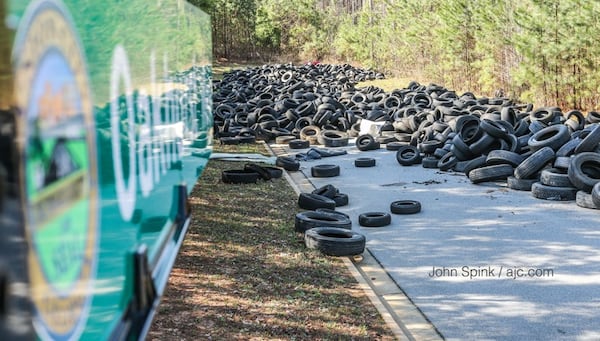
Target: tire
(590, 142)
(239, 176)
(541, 191)
(264, 172)
(333, 241)
(405, 207)
(310, 201)
(499, 157)
(408, 155)
(584, 199)
(429, 162)
(394, 146)
(298, 144)
(310, 133)
(287, 163)
(554, 136)
(366, 142)
(490, 173)
(447, 162)
(333, 138)
(568, 148)
(562, 162)
(325, 171)
(374, 219)
(330, 211)
(520, 184)
(365, 162)
(477, 162)
(284, 139)
(328, 191)
(584, 170)
(341, 199)
(311, 219)
(534, 163)
(596, 194)
(555, 178)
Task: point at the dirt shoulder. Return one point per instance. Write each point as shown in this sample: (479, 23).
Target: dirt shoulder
(244, 274)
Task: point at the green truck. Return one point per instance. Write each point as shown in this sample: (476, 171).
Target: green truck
(105, 126)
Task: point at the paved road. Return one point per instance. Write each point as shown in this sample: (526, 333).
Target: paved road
(480, 238)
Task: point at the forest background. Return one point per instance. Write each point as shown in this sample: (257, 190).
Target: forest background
(536, 51)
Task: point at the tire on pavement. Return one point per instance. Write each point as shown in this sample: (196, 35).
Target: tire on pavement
(333, 241)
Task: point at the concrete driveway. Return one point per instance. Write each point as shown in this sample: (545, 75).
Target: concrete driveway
(479, 261)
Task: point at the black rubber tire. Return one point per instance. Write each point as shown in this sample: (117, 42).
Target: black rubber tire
(477, 162)
(239, 176)
(327, 191)
(310, 133)
(585, 200)
(366, 142)
(394, 146)
(534, 163)
(287, 163)
(568, 148)
(298, 144)
(264, 172)
(584, 170)
(365, 162)
(408, 155)
(554, 136)
(311, 219)
(405, 207)
(596, 194)
(541, 191)
(447, 162)
(330, 211)
(590, 142)
(325, 171)
(491, 173)
(520, 184)
(493, 128)
(341, 199)
(310, 201)
(374, 219)
(333, 138)
(332, 241)
(499, 157)
(555, 178)
(429, 162)
(562, 162)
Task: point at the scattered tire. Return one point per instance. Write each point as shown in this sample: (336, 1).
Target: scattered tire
(287, 163)
(341, 199)
(374, 219)
(333, 241)
(365, 162)
(596, 194)
(239, 176)
(366, 142)
(298, 144)
(325, 171)
(405, 207)
(328, 210)
(541, 191)
(333, 138)
(310, 201)
(408, 155)
(327, 191)
(311, 219)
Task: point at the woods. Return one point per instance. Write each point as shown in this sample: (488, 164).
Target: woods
(536, 51)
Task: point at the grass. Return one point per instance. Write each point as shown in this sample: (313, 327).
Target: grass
(244, 274)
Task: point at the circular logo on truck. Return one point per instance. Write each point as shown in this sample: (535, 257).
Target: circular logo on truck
(59, 169)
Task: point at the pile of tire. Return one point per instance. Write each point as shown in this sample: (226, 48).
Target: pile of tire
(309, 101)
(324, 228)
(489, 139)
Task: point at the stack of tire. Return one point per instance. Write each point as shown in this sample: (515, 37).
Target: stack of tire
(324, 228)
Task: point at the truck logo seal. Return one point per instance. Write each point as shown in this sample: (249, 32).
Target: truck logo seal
(59, 169)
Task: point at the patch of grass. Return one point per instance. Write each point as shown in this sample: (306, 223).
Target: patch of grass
(244, 274)
(387, 84)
